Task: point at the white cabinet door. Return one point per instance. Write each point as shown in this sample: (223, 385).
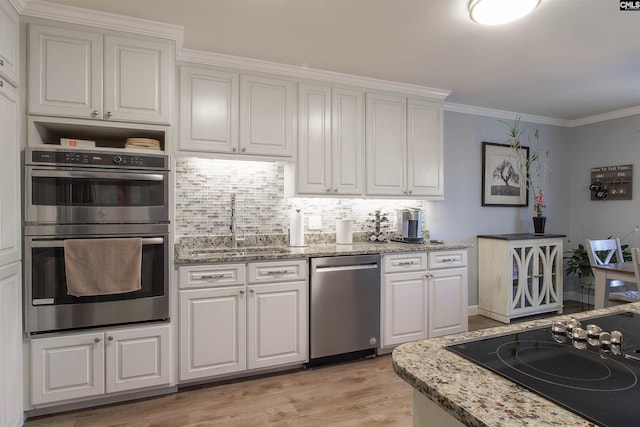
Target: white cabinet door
(208, 110)
(67, 367)
(137, 80)
(212, 332)
(9, 34)
(330, 140)
(404, 308)
(267, 116)
(65, 72)
(11, 406)
(447, 301)
(386, 145)
(9, 176)
(76, 73)
(314, 140)
(425, 152)
(347, 141)
(137, 358)
(277, 324)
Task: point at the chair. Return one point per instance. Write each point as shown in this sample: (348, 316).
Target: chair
(629, 295)
(604, 252)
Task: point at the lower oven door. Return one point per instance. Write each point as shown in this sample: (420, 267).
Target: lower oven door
(48, 307)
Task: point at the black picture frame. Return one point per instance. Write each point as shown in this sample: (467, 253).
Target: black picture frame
(510, 189)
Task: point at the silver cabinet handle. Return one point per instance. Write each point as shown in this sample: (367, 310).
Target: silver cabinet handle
(94, 113)
(449, 259)
(96, 340)
(108, 115)
(212, 277)
(403, 263)
(276, 272)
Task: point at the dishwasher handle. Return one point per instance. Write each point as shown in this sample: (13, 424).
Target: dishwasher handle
(328, 268)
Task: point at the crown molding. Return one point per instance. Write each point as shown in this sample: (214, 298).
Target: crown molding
(504, 115)
(105, 20)
(257, 65)
(632, 111)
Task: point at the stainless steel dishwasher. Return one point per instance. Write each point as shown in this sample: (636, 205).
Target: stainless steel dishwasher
(344, 307)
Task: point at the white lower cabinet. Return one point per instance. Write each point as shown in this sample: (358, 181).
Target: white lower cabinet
(424, 295)
(11, 405)
(212, 332)
(93, 363)
(229, 324)
(404, 298)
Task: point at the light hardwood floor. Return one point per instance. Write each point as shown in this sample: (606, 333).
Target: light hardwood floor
(361, 393)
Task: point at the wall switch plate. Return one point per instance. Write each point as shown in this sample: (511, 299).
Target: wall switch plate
(315, 222)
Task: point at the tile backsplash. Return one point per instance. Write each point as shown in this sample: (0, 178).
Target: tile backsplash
(203, 200)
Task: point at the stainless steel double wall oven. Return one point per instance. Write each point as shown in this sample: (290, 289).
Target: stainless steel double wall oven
(72, 194)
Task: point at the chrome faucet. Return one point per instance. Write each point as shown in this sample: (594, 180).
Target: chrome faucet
(234, 227)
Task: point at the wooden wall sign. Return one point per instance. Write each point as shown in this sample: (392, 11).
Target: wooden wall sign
(611, 182)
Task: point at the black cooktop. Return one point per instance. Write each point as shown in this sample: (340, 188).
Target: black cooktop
(586, 374)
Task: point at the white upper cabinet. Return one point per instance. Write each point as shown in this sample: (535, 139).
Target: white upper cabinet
(229, 113)
(330, 140)
(404, 146)
(267, 116)
(82, 74)
(425, 172)
(386, 145)
(9, 33)
(9, 175)
(208, 110)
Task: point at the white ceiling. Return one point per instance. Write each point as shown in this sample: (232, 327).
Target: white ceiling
(569, 60)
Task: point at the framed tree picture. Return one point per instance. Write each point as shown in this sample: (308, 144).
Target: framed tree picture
(504, 182)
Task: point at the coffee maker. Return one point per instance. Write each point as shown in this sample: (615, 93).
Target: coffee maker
(409, 228)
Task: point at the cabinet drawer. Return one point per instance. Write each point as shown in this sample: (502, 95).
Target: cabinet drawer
(447, 259)
(200, 276)
(277, 271)
(404, 262)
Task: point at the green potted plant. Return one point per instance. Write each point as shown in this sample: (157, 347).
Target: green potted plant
(579, 266)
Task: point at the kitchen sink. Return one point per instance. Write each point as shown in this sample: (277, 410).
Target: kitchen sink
(203, 253)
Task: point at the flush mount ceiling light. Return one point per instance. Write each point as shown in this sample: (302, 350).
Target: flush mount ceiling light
(496, 12)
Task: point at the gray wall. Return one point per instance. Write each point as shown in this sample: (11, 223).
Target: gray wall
(610, 143)
(460, 217)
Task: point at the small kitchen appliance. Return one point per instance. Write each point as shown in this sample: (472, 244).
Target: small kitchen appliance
(409, 226)
(582, 365)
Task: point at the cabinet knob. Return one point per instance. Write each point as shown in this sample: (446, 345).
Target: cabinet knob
(409, 192)
(252, 291)
(328, 190)
(96, 340)
(94, 113)
(1, 62)
(1, 83)
(242, 292)
(244, 150)
(335, 190)
(108, 115)
(234, 149)
(110, 338)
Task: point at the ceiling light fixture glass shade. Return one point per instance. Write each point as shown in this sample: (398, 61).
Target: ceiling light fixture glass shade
(496, 12)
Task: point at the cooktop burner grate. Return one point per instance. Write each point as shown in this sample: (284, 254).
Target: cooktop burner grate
(582, 375)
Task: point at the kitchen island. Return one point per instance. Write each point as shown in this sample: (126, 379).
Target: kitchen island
(452, 391)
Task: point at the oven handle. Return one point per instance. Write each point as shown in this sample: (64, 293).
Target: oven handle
(109, 175)
(60, 243)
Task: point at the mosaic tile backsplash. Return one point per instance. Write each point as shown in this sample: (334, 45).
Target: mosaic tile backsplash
(203, 200)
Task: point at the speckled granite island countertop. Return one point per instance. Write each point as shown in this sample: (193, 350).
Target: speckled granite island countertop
(475, 396)
(196, 251)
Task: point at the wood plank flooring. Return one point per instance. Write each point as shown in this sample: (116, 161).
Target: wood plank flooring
(360, 393)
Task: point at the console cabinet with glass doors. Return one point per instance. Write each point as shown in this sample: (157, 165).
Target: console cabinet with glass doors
(519, 275)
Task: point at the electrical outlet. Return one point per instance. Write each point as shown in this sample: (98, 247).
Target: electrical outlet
(315, 222)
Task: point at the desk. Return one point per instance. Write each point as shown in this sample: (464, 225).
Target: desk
(617, 271)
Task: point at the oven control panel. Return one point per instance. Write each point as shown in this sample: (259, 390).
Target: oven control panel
(97, 159)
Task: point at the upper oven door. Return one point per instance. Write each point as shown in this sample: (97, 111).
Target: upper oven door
(90, 196)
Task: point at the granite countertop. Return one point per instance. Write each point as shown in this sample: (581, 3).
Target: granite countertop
(475, 395)
(194, 252)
